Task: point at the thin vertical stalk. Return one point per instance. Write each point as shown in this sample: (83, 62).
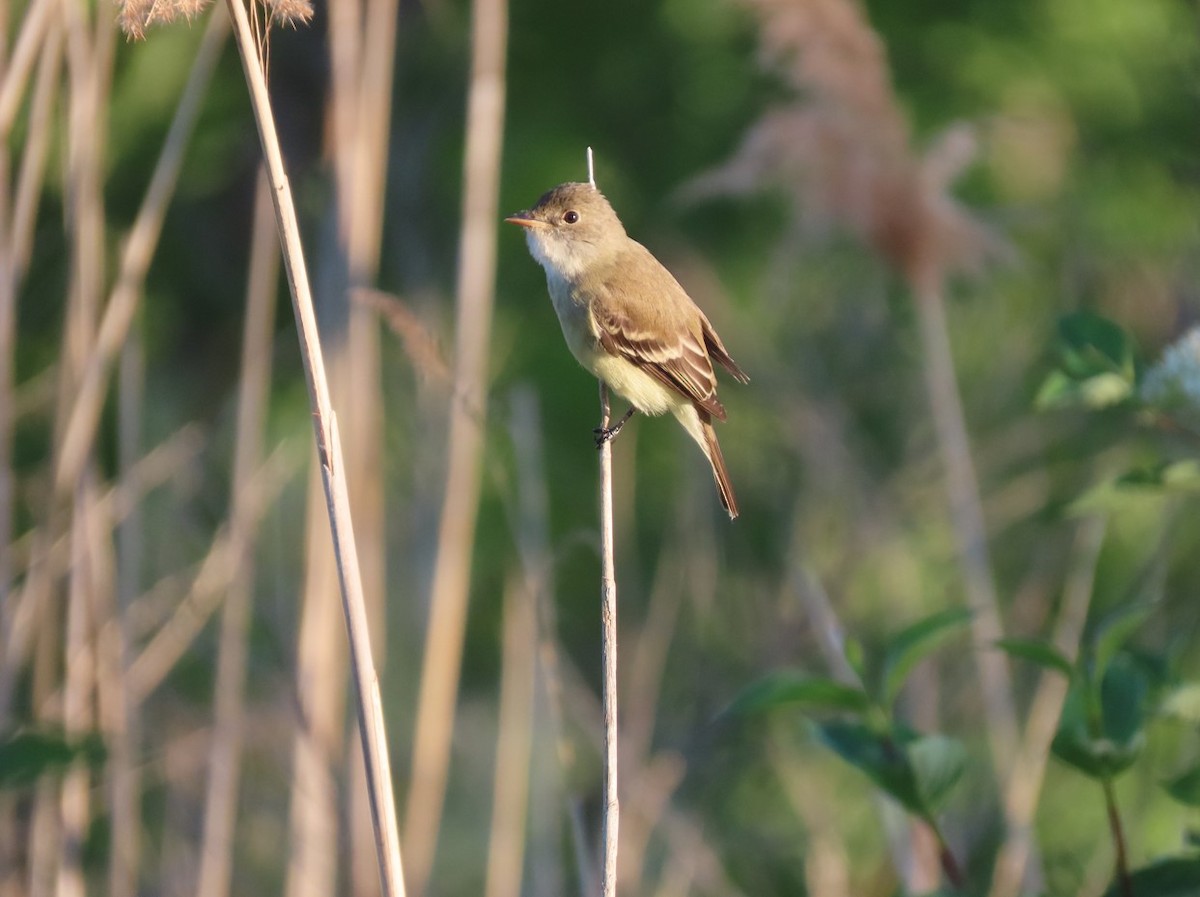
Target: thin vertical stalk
(220, 811)
(1009, 876)
(362, 38)
(74, 800)
(456, 534)
(369, 705)
(608, 617)
(966, 511)
(119, 716)
(510, 789)
(320, 692)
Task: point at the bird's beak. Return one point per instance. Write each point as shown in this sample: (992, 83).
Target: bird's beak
(523, 219)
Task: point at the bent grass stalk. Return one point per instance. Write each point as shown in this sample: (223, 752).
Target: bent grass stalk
(369, 706)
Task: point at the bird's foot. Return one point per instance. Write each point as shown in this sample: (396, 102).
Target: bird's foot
(606, 434)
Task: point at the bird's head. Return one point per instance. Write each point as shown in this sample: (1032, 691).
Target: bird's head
(570, 228)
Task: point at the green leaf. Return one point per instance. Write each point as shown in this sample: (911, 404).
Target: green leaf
(853, 650)
(1185, 787)
(1102, 735)
(1170, 877)
(1100, 391)
(786, 687)
(1123, 700)
(1112, 634)
(1039, 652)
(27, 755)
(938, 762)
(909, 646)
(1099, 367)
(1091, 344)
(878, 755)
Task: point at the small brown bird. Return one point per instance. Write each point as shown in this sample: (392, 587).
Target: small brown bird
(627, 320)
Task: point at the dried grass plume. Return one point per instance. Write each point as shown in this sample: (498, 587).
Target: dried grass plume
(135, 16)
(842, 148)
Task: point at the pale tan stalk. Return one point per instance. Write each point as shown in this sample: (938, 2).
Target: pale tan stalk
(224, 767)
(317, 749)
(39, 18)
(369, 705)
(89, 66)
(14, 257)
(510, 788)
(608, 618)
(362, 39)
(78, 687)
(36, 146)
(137, 252)
(1029, 765)
(456, 535)
(119, 720)
(966, 512)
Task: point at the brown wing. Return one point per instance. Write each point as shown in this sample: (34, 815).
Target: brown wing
(675, 356)
(717, 351)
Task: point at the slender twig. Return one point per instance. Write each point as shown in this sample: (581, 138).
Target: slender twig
(1118, 836)
(608, 616)
(591, 165)
(456, 532)
(369, 705)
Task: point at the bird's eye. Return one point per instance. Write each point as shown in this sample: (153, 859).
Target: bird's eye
(571, 216)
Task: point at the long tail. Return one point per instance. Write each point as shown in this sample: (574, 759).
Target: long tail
(712, 449)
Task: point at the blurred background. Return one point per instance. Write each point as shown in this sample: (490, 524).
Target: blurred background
(885, 209)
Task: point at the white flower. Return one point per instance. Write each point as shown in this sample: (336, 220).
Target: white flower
(1174, 383)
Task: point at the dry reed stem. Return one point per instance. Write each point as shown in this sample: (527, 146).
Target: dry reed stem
(369, 705)
(16, 241)
(78, 687)
(220, 804)
(442, 658)
(136, 255)
(314, 816)
(362, 49)
(1029, 765)
(970, 530)
(40, 17)
(510, 790)
(119, 719)
(608, 617)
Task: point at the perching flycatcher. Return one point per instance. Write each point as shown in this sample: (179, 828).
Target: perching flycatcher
(627, 320)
